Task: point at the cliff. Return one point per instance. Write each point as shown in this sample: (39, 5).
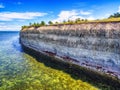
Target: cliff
(91, 45)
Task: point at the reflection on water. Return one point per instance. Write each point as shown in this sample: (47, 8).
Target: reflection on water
(20, 71)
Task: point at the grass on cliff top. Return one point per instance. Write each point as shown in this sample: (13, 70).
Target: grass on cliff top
(107, 20)
(94, 21)
(73, 22)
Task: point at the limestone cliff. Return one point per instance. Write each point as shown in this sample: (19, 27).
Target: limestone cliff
(91, 45)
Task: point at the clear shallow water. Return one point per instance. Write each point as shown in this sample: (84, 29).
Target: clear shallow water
(20, 71)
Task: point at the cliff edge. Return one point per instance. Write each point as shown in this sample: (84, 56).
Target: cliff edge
(91, 45)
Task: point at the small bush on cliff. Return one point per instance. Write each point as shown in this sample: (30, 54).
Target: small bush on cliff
(34, 25)
(50, 23)
(42, 23)
(23, 27)
(38, 24)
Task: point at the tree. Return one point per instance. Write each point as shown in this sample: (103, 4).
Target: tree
(56, 22)
(77, 20)
(50, 22)
(68, 21)
(30, 24)
(43, 23)
(64, 22)
(82, 20)
(115, 15)
(34, 24)
(86, 20)
(24, 27)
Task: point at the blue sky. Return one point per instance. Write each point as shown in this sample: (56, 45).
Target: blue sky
(15, 13)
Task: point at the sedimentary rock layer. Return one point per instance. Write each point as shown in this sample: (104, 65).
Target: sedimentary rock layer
(90, 45)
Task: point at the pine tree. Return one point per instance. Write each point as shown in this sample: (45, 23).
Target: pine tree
(50, 22)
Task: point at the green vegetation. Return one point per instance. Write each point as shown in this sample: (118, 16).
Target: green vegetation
(42, 23)
(115, 15)
(77, 21)
(50, 23)
(36, 25)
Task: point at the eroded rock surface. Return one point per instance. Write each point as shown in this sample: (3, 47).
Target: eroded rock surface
(91, 45)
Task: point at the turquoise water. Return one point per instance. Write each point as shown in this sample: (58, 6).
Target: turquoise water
(20, 71)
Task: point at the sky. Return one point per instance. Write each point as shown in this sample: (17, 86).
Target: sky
(16, 13)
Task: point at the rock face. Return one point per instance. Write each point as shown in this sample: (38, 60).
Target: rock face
(91, 45)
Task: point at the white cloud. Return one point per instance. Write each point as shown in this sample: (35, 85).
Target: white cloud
(105, 16)
(2, 6)
(119, 9)
(9, 27)
(85, 12)
(72, 15)
(9, 16)
(16, 19)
